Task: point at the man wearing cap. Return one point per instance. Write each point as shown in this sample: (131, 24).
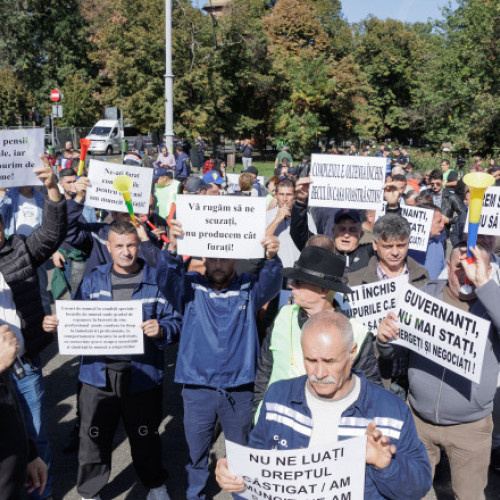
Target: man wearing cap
(347, 230)
(214, 182)
(332, 403)
(219, 346)
(283, 154)
(313, 278)
(391, 236)
(194, 185)
(165, 190)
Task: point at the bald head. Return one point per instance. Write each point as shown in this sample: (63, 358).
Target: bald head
(330, 327)
(328, 349)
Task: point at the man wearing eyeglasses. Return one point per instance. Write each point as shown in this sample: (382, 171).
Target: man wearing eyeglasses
(450, 204)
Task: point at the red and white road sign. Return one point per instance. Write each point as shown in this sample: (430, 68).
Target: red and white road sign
(55, 95)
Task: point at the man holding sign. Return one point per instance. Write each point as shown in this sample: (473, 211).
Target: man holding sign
(332, 403)
(126, 386)
(391, 237)
(450, 410)
(219, 345)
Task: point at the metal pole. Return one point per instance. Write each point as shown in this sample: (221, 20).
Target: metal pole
(169, 78)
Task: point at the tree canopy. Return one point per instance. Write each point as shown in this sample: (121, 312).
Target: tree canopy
(294, 70)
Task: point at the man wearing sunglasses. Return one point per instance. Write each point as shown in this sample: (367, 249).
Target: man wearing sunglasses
(450, 204)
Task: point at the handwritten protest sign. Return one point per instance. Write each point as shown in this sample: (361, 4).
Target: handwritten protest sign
(20, 152)
(370, 303)
(101, 193)
(490, 213)
(347, 181)
(420, 220)
(229, 227)
(442, 333)
(100, 327)
(331, 472)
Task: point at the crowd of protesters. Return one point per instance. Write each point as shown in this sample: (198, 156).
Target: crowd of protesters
(274, 377)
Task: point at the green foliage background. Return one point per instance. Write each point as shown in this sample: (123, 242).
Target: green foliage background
(293, 70)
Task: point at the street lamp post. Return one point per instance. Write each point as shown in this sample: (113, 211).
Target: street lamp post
(169, 79)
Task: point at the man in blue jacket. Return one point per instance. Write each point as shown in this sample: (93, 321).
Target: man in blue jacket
(182, 165)
(334, 403)
(219, 346)
(124, 386)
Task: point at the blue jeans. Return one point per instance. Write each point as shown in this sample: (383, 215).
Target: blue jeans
(30, 392)
(202, 406)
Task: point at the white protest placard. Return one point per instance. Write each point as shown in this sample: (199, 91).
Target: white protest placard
(370, 303)
(102, 194)
(450, 337)
(334, 471)
(347, 182)
(228, 227)
(20, 152)
(89, 327)
(420, 220)
(490, 213)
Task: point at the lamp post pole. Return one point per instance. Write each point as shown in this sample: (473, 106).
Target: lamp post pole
(169, 78)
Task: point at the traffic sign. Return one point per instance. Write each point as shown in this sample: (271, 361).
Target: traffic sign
(55, 95)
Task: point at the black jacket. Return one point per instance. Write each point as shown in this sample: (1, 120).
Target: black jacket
(19, 259)
(365, 361)
(451, 206)
(299, 231)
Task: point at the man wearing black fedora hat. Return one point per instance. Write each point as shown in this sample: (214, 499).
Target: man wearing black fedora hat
(315, 275)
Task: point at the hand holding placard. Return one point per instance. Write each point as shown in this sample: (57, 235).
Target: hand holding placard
(226, 479)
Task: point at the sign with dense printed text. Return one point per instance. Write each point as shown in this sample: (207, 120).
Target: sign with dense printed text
(370, 303)
(331, 472)
(229, 227)
(420, 220)
(101, 193)
(20, 152)
(450, 337)
(91, 327)
(347, 182)
(490, 213)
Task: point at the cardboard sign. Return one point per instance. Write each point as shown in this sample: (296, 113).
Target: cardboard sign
(333, 471)
(347, 182)
(228, 227)
(89, 327)
(420, 220)
(20, 152)
(490, 213)
(450, 337)
(102, 194)
(370, 303)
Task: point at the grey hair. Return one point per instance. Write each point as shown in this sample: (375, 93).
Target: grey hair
(391, 227)
(328, 321)
(398, 170)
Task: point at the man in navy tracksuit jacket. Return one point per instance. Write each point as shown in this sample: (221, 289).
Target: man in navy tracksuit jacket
(126, 386)
(219, 346)
(334, 403)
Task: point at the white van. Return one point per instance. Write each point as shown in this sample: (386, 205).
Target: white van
(106, 137)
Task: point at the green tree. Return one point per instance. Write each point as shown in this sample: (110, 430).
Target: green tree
(460, 91)
(13, 99)
(392, 55)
